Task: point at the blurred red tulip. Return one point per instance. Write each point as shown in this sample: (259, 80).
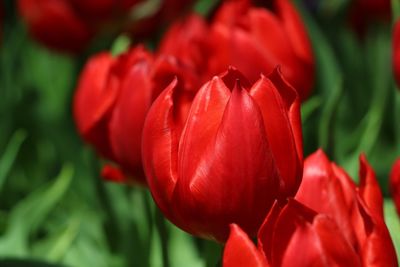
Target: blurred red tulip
(56, 24)
(227, 159)
(256, 39)
(395, 184)
(364, 12)
(111, 103)
(327, 189)
(331, 223)
(69, 25)
(396, 52)
(188, 40)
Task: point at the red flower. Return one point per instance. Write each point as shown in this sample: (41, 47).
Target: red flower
(358, 212)
(365, 12)
(255, 40)
(188, 40)
(294, 236)
(70, 25)
(112, 100)
(56, 24)
(396, 52)
(332, 223)
(395, 184)
(226, 160)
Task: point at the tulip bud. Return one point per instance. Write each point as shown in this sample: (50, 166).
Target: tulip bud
(331, 223)
(226, 154)
(111, 103)
(294, 236)
(366, 12)
(358, 211)
(56, 24)
(188, 40)
(70, 25)
(255, 40)
(395, 184)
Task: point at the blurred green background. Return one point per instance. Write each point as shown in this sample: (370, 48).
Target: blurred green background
(54, 207)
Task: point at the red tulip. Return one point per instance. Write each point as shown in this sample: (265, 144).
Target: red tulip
(358, 212)
(331, 223)
(56, 24)
(396, 52)
(111, 103)
(227, 159)
(69, 25)
(294, 236)
(255, 40)
(188, 40)
(395, 184)
(365, 12)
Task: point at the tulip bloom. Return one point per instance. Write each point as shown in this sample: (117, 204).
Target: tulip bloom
(396, 52)
(225, 160)
(111, 103)
(255, 40)
(294, 236)
(364, 12)
(56, 24)
(395, 184)
(188, 39)
(332, 223)
(358, 212)
(70, 25)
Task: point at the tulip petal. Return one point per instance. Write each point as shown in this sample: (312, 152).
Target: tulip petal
(128, 117)
(202, 124)
(291, 216)
(111, 173)
(323, 192)
(94, 98)
(236, 171)
(295, 30)
(160, 145)
(186, 40)
(280, 110)
(266, 231)
(321, 244)
(56, 24)
(240, 251)
(369, 188)
(266, 31)
(376, 245)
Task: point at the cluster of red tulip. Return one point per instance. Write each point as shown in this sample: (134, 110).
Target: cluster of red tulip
(70, 25)
(210, 123)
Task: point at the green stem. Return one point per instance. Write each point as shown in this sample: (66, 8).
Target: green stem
(112, 228)
(164, 235)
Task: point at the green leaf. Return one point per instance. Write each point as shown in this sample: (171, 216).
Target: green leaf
(120, 45)
(10, 154)
(204, 7)
(393, 223)
(183, 251)
(28, 215)
(396, 9)
(309, 107)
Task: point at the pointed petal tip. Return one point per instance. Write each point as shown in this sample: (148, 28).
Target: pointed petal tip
(231, 75)
(278, 78)
(113, 174)
(319, 154)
